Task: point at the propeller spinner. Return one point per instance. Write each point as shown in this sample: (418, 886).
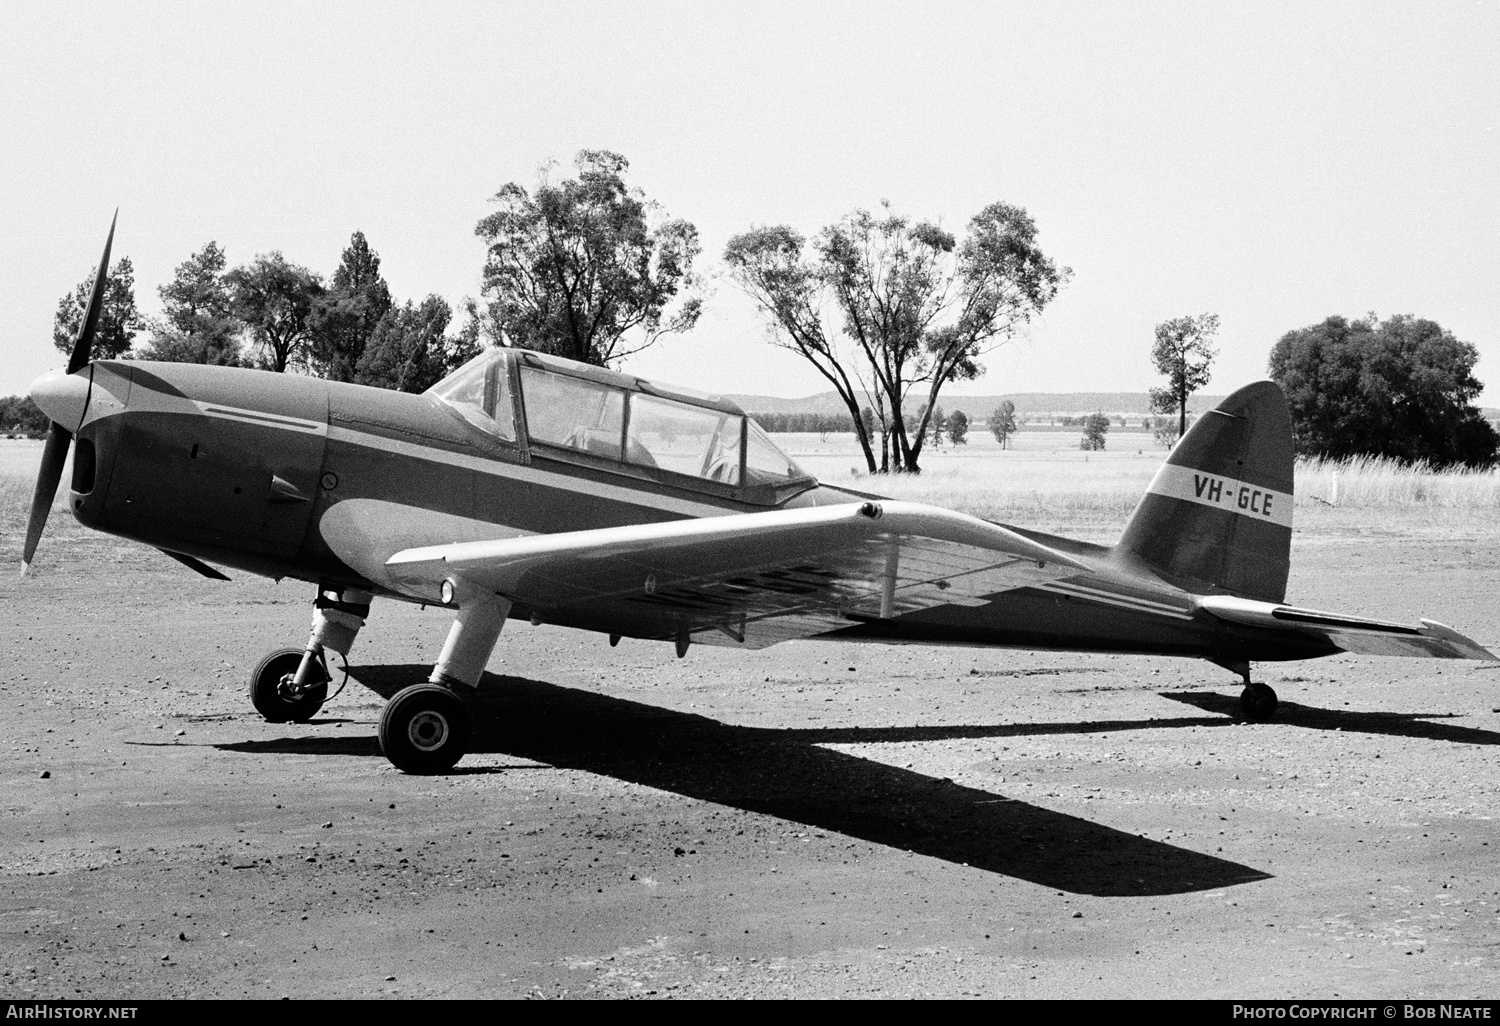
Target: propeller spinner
(62, 397)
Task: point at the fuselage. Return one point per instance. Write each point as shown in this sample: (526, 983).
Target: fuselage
(265, 472)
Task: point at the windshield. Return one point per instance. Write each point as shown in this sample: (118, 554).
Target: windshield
(479, 391)
(765, 464)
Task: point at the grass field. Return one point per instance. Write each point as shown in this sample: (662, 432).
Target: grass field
(1044, 480)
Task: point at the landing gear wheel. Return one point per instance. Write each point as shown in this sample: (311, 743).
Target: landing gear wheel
(424, 729)
(1257, 702)
(271, 688)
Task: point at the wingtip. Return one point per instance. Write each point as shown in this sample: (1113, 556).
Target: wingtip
(25, 566)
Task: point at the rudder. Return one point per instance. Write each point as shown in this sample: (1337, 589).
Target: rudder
(1217, 517)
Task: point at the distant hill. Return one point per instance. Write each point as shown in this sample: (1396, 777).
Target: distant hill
(979, 406)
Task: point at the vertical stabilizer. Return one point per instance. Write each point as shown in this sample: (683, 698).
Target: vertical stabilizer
(1217, 517)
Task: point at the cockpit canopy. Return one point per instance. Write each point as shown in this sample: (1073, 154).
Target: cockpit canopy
(555, 408)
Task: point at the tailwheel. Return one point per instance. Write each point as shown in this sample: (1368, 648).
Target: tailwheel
(425, 729)
(273, 689)
(1258, 702)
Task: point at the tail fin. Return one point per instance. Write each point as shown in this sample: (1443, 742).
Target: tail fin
(1217, 517)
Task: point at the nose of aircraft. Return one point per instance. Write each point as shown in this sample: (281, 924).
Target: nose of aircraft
(62, 396)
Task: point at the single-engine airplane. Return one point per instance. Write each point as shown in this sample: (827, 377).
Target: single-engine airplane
(525, 486)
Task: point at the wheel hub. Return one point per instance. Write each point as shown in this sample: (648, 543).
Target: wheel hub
(287, 687)
(427, 731)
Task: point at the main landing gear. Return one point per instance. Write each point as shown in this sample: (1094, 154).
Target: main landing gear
(424, 728)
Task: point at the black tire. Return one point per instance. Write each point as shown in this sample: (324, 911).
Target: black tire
(1258, 703)
(425, 729)
(269, 684)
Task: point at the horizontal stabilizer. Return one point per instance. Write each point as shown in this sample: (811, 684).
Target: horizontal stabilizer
(1431, 640)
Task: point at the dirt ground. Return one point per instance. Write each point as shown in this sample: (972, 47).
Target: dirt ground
(816, 819)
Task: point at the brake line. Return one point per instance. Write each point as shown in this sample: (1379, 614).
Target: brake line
(343, 682)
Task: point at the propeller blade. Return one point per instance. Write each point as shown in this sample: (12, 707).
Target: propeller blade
(53, 458)
(83, 346)
(58, 437)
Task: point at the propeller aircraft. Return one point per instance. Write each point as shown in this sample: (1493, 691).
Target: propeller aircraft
(528, 487)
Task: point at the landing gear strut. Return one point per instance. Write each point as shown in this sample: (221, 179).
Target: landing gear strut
(425, 728)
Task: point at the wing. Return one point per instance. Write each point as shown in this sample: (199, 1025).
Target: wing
(1431, 640)
(748, 579)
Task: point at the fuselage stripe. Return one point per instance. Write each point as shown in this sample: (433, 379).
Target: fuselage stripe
(530, 475)
(1137, 605)
(1114, 595)
(258, 417)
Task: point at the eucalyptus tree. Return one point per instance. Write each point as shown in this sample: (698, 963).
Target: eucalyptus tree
(587, 268)
(275, 300)
(916, 306)
(1185, 353)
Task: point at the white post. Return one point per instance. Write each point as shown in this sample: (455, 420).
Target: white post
(471, 640)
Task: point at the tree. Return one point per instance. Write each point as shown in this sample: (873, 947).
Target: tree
(1165, 430)
(769, 266)
(937, 424)
(343, 318)
(19, 415)
(958, 427)
(1003, 423)
(275, 299)
(1400, 389)
(480, 321)
(198, 323)
(119, 320)
(408, 350)
(1095, 427)
(918, 307)
(1184, 354)
(586, 268)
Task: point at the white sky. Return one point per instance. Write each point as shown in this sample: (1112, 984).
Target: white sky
(1270, 162)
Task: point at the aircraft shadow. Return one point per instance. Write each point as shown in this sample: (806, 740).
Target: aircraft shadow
(1395, 724)
(1226, 708)
(785, 773)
